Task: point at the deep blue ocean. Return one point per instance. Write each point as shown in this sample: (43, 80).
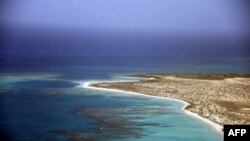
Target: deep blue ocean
(42, 99)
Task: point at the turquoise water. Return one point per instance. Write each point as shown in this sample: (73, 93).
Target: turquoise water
(44, 100)
(58, 108)
(167, 121)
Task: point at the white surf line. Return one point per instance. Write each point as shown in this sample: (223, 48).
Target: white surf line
(216, 126)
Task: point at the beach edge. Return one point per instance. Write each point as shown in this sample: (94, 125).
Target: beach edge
(214, 125)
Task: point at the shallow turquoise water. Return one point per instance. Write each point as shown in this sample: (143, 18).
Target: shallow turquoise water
(170, 123)
(49, 103)
(55, 108)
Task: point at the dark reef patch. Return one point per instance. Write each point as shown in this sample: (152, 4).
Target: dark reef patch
(114, 122)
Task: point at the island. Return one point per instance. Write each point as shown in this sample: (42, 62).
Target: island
(223, 98)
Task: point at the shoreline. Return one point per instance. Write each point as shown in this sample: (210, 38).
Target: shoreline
(215, 126)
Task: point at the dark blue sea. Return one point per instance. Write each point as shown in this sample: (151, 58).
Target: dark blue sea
(42, 99)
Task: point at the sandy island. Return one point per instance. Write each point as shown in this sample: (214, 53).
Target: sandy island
(221, 98)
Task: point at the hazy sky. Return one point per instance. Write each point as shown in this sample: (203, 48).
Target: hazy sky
(215, 18)
(202, 16)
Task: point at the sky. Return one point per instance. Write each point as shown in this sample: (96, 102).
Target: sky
(100, 21)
